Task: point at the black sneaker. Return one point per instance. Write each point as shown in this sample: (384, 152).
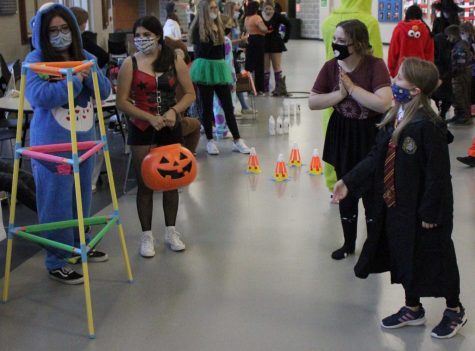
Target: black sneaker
(467, 160)
(66, 275)
(450, 324)
(404, 317)
(92, 256)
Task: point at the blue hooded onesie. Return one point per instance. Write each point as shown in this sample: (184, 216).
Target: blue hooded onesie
(55, 194)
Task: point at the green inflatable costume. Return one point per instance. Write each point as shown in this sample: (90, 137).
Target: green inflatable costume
(349, 9)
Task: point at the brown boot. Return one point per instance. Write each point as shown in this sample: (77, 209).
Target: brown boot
(280, 88)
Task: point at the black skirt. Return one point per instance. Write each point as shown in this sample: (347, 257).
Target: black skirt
(348, 141)
(274, 44)
(151, 136)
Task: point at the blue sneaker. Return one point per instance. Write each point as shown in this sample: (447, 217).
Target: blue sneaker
(404, 317)
(450, 324)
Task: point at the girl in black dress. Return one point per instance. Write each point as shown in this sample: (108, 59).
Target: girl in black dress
(278, 33)
(408, 170)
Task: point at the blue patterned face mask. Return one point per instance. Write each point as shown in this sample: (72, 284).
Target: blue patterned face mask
(401, 95)
(61, 41)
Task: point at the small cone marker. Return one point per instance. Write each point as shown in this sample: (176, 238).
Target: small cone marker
(253, 165)
(295, 160)
(280, 173)
(315, 164)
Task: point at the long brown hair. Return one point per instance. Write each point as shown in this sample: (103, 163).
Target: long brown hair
(425, 76)
(356, 31)
(204, 24)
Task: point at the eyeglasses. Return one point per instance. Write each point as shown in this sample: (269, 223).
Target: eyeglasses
(213, 7)
(64, 28)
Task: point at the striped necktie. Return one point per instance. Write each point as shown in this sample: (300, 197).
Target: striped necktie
(389, 194)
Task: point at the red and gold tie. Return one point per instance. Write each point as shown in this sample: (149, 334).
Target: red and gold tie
(389, 194)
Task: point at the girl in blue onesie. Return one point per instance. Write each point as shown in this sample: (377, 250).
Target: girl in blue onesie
(56, 37)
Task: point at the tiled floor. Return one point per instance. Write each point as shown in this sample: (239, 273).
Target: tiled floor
(257, 272)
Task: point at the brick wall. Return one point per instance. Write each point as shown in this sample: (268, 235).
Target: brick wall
(310, 16)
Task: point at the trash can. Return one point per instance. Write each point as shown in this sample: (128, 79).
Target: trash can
(296, 24)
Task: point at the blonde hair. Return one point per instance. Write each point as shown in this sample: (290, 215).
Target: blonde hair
(229, 13)
(425, 76)
(205, 25)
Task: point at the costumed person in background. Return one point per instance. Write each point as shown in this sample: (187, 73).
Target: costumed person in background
(442, 59)
(171, 28)
(274, 47)
(349, 9)
(212, 74)
(190, 12)
(469, 160)
(57, 38)
(408, 170)
(89, 42)
(89, 39)
(461, 59)
(449, 13)
(231, 20)
(467, 33)
(221, 129)
(150, 79)
(410, 38)
(357, 85)
(257, 30)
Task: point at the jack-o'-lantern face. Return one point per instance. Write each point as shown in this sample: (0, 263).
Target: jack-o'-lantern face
(169, 167)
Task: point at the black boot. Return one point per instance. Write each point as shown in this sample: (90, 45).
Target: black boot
(349, 232)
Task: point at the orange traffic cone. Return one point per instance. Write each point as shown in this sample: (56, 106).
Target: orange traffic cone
(253, 165)
(315, 164)
(280, 173)
(295, 160)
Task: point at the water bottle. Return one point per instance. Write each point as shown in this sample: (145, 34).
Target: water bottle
(271, 125)
(279, 126)
(286, 125)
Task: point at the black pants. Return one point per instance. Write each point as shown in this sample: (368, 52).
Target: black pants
(255, 59)
(461, 86)
(413, 301)
(224, 94)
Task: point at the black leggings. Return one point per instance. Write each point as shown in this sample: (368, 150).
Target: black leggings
(349, 217)
(224, 95)
(413, 301)
(145, 194)
(255, 59)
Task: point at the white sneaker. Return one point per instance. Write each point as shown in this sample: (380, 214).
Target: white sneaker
(212, 148)
(147, 248)
(237, 113)
(249, 111)
(241, 147)
(172, 238)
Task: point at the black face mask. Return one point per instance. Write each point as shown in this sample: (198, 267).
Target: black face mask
(340, 51)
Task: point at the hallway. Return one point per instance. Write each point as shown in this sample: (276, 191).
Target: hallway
(257, 273)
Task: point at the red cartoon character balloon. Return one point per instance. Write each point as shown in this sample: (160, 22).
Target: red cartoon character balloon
(169, 167)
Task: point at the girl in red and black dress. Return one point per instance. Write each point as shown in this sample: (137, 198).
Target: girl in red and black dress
(357, 85)
(146, 93)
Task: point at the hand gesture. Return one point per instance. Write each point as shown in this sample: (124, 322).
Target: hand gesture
(170, 118)
(346, 81)
(83, 74)
(158, 122)
(244, 37)
(340, 191)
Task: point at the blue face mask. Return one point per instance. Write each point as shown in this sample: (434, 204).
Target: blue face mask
(401, 95)
(61, 41)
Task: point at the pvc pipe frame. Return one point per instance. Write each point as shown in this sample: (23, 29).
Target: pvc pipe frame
(65, 69)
